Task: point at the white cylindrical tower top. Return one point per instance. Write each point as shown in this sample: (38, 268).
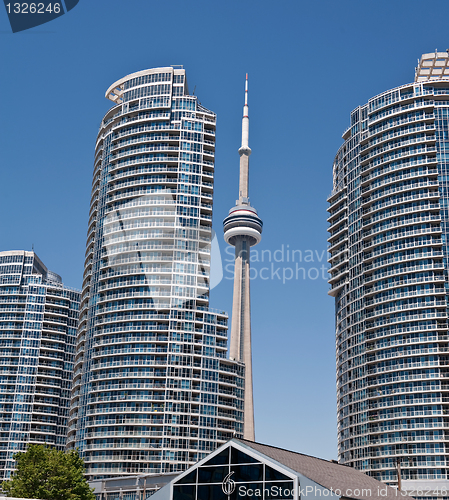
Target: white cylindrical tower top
(243, 221)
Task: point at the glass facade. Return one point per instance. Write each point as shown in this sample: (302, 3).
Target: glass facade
(233, 474)
(153, 389)
(389, 276)
(38, 319)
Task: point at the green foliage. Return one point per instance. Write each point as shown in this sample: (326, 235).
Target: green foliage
(48, 474)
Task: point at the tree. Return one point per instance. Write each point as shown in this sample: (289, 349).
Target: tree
(48, 474)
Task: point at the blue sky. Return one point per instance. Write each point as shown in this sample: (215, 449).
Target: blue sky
(309, 65)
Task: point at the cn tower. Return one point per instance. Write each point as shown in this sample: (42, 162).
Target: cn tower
(243, 229)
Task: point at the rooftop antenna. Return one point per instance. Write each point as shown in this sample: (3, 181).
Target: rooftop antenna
(194, 88)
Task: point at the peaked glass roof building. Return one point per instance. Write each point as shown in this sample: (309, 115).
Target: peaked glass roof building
(389, 229)
(38, 320)
(153, 389)
(242, 469)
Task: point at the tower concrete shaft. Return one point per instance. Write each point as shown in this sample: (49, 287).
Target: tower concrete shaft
(240, 348)
(243, 229)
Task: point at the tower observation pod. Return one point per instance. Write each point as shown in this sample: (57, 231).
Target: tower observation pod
(243, 229)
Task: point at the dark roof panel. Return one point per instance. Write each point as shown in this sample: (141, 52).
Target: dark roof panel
(328, 474)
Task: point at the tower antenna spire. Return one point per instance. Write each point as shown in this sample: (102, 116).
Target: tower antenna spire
(245, 119)
(244, 152)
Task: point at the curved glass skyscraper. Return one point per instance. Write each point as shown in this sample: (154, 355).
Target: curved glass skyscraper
(389, 228)
(153, 389)
(38, 320)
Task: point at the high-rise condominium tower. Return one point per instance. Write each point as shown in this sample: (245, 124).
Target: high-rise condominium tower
(38, 319)
(153, 391)
(389, 229)
(243, 229)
